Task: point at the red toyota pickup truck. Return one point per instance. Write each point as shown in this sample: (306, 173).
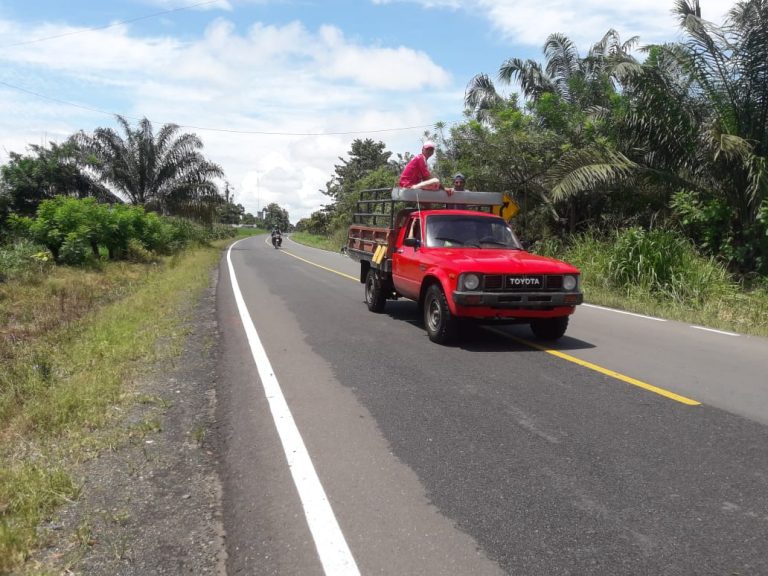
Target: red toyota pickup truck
(457, 263)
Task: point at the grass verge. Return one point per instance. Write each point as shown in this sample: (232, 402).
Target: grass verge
(74, 342)
(330, 243)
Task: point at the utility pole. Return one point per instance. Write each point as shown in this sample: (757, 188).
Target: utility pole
(258, 192)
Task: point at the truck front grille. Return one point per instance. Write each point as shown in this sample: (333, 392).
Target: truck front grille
(523, 283)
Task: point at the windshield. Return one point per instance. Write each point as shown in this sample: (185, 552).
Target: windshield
(470, 232)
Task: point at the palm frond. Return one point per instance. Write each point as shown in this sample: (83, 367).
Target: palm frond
(480, 97)
(588, 169)
(532, 78)
(562, 56)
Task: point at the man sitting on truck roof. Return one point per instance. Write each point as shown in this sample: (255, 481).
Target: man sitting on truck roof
(416, 170)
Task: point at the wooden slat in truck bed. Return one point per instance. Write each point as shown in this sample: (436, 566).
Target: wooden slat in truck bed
(367, 238)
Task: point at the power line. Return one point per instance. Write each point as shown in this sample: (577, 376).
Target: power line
(118, 23)
(225, 130)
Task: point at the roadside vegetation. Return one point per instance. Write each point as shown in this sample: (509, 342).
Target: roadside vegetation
(74, 343)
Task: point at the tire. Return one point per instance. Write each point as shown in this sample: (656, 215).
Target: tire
(441, 325)
(549, 328)
(375, 293)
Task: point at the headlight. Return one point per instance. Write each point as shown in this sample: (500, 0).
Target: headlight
(570, 282)
(471, 281)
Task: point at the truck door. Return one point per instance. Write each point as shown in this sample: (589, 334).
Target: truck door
(406, 264)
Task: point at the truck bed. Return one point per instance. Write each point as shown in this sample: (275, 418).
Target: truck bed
(367, 239)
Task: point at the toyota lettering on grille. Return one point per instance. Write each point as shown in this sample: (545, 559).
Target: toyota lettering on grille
(523, 282)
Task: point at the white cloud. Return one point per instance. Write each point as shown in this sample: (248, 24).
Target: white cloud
(585, 22)
(525, 22)
(272, 79)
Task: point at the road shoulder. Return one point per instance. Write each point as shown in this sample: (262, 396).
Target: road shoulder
(151, 505)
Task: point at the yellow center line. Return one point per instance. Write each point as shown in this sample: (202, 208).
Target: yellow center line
(607, 372)
(319, 266)
(557, 353)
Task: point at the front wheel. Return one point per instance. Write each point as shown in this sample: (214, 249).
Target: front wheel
(549, 328)
(375, 294)
(441, 325)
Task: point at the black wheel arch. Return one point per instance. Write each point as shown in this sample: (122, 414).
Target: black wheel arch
(425, 284)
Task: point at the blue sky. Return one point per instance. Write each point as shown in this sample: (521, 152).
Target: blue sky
(278, 89)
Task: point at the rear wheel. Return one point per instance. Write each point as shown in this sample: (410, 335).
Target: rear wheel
(375, 294)
(549, 328)
(441, 325)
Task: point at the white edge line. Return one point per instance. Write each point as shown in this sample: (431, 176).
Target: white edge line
(624, 312)
(723, 332)
(331, 545)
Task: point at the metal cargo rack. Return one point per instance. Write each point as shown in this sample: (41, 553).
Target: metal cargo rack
(379, 212)
(377, 207)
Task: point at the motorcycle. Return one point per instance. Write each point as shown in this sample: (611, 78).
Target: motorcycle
(277, 240)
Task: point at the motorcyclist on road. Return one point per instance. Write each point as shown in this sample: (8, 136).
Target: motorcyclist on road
(277, 237)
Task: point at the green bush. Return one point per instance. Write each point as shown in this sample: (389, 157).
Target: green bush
(665, 263)
(23, 258)
(77, 231)
(185, 233)
(74, 248)
(658, 262)
(136, 252)
(122, 223)
(70, 228)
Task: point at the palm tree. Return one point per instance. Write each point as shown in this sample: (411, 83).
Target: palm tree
(164, 172)
(480, 97)
(698, 122)
(577, 81)
(570, 95)
(729, 72)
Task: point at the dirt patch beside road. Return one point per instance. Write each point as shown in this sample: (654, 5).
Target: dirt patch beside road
(151, 505)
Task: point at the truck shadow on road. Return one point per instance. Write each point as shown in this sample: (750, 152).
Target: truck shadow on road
(475, 337)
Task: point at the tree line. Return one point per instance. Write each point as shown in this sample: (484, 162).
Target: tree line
(675, 138)
(119, 194)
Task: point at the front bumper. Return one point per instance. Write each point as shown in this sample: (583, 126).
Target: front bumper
(518, 300)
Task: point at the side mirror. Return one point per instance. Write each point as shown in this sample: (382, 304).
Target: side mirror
(526, 244)
(412, 243)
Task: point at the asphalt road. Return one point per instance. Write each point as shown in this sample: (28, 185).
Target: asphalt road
(494, 456)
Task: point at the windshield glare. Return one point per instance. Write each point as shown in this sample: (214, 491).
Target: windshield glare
(469, 232)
